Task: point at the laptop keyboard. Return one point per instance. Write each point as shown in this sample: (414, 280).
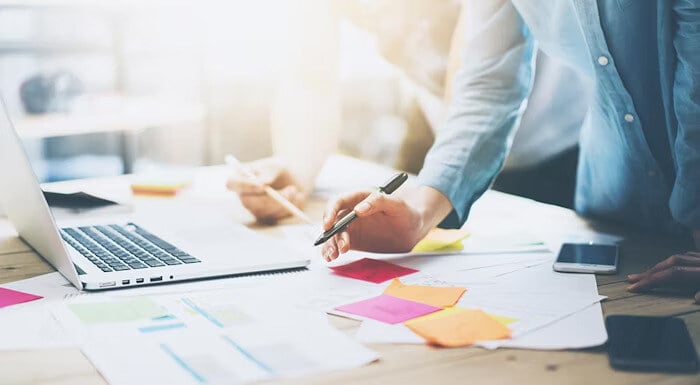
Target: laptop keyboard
(119, 248)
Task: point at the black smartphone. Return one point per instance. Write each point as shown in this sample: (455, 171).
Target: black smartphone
(656, 344)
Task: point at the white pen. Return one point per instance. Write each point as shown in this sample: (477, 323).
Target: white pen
(272, 193)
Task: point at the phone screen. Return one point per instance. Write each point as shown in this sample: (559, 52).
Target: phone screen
(588, 254)
(650, 344)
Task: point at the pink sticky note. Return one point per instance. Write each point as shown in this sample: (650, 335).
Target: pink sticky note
(372, 270)
(388, 309)
(12, 297)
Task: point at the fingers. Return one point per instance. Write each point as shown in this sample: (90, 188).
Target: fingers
(244, 185)
(267, 210)
(378, 202)
(337, 245)
(343, 242)
(330, 249)
(266, 172)
(345, 202)
(687, 259)
(677, 260)
(676, 276)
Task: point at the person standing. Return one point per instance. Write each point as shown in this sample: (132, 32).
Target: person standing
(639, 162)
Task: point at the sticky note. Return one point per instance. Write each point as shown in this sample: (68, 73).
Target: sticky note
(442, 240)
(10, 297)
(454, 309)
(388, 309)
(372, 270)
(164, 189)
(431, 295)
(503, 319)
(459, 328)
(116, 311)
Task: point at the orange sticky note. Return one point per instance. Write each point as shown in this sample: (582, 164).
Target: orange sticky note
(460, 328)
(430, 295)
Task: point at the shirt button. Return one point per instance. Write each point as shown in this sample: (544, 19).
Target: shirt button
(629, 118)
(602, 60)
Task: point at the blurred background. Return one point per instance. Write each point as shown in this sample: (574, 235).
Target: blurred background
(104, 87)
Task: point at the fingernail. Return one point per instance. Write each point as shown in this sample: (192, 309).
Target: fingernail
(341, 243)
(362, 207)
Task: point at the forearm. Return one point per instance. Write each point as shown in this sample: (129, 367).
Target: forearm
(494, 79)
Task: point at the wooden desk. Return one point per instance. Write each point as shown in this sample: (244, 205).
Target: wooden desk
(400, 364)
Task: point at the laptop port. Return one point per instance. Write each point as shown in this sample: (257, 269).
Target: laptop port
(139, 280)
(108, 284)
(156, 279)
(126, 281)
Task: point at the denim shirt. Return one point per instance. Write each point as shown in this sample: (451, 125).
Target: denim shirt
(640, 142)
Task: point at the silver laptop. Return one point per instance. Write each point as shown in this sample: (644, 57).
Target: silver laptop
(105, 255)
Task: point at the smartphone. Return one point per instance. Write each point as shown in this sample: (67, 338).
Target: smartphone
(587, 258)
(659, 344)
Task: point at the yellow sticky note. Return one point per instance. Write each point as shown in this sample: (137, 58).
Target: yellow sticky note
(430, 295)
(503, 319)
(459, 328)
(157, 189)
(442, 313)
(442, 240)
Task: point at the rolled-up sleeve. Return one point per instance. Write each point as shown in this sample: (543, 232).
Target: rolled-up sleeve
(489, 94)
(685, 197)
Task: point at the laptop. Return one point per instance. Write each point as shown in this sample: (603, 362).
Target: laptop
(102, 254)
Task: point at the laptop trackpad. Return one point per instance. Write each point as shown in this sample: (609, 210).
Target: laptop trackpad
(227, 243)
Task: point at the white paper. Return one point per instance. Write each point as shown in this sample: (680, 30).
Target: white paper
(32, 327)
(554, 310)
(583, 329)
(50, 286)
(234, 356)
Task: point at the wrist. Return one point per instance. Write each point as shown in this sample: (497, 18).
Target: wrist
(431, 205)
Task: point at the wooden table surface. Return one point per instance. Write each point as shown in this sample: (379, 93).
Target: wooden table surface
(408, 364)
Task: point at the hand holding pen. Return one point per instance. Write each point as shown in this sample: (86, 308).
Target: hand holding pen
(267, 189)
(383, 223)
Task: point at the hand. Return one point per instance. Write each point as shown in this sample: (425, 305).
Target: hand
(385, 223)
(679, 271)
(273, 173)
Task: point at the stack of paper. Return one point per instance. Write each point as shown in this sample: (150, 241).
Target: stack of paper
(203, 337)
(238, 355)
(537, 305)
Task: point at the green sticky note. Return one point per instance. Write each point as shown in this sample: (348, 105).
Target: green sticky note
(115, 311)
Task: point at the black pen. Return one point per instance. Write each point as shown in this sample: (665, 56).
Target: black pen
(391, 185)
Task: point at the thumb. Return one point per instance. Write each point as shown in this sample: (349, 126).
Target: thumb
(293, 194)
(265, 178)
(378, 202)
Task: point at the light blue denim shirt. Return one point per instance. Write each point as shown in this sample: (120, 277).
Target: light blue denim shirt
(640, 141)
